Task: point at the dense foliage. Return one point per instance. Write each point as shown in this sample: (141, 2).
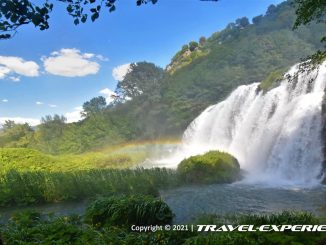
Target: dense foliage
(211, 167)
(126, 211)
(309, 11)
(142, 78)
(31, 227)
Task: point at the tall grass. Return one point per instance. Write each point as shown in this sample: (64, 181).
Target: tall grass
(24, 188)
(32, 160)
(126, 211)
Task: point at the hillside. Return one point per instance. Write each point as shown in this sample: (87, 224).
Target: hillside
(240, 54)
(164, 102)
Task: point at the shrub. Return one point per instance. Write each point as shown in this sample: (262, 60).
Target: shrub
(212, 167)
(127, 211)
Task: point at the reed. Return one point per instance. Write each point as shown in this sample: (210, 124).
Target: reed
(36, 187)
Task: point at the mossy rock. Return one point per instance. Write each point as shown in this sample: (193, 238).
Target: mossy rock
(211, 167)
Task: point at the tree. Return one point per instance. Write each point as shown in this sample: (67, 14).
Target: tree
(242, 22)
(193, 45)
(8, 125)
(256, 20)
(16, 135)
(184, 48)
(143, 78)
(16, 13)
(308, 11)
(271, 9)
(94, 106)
(49, 132)
(202, 41)
(52, 126)
(230, 26)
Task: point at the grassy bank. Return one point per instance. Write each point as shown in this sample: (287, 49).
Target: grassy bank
(23, 159)
(36, 187)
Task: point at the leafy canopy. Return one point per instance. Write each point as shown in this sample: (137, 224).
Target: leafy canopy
(16, 13)
(309, 11)
(142, 78)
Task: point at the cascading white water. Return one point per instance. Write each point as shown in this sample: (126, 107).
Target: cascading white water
(276, 136)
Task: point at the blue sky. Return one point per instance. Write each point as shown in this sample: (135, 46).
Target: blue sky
(56, 70)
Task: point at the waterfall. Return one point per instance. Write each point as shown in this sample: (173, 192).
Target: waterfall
(275, 135)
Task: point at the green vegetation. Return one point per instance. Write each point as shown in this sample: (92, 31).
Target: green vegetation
(164, 102)
(30, 227)
(309, 11)
(143, 78)
(211, 167)
(128, 210)
(188, 54)
(32, 160)
(272, 80)
(37, 187)
(237, 55)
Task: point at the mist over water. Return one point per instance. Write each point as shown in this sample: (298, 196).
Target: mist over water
(276, 136)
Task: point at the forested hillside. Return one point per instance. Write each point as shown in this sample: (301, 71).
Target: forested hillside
(152, 102)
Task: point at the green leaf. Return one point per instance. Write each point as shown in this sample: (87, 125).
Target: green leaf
(69, 9)
(84, 18)
(112, 8)
(94, 16)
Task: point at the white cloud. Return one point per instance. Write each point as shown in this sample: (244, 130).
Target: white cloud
(88, 55)
(5, 100)
(70, 63)
(14, 79)
(17, 65)
(52, 106)
(30, 121)
(74, 116)
(109, 95)
(102, 58)
(120, 72)
(39, 103)
(4, 71)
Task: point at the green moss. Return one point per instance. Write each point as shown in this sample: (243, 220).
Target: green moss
(272, 80)
(212, 167)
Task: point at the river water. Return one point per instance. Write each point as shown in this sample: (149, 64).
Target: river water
(189, 202)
